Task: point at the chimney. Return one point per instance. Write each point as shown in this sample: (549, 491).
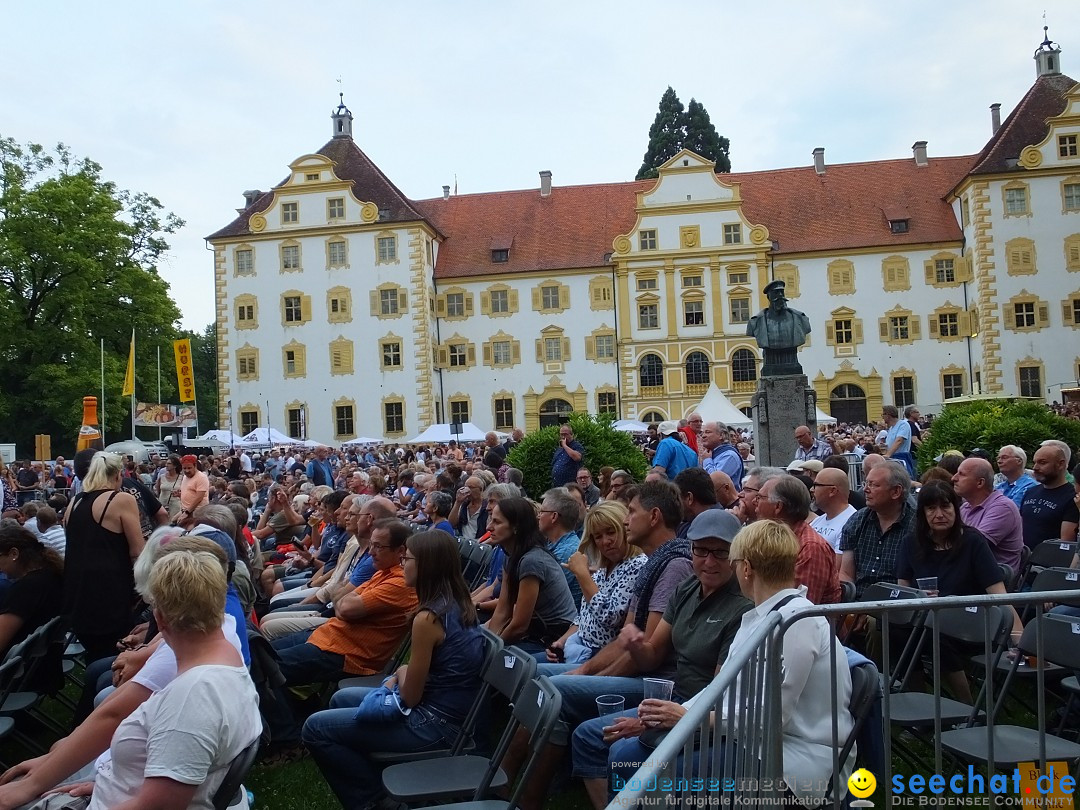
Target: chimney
(919, 150)
(995, 118)
(446, 192)
(819, 160)
(251, 196)
(545, 183)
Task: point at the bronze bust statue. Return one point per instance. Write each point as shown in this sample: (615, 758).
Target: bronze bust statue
(779, 331)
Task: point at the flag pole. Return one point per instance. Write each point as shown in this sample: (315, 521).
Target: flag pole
(133, 385)
(159, 386)
(102, 409)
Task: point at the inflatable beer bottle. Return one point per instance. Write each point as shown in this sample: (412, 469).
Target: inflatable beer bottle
(89, 433)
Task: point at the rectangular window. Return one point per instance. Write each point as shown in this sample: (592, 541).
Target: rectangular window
(1030, 381)
(335, 209)
(501, 353)
(338, 306)
(246, 312)
(344, 423)
(647, 239)
(457, 355)
(290, 361)
(733, 234)
(293, 310)
(647, 317)
(949, 324)
(740, 310)
(387, 246)
(646, 284)
(500, 301)
(605, 402)
(844, 335)
(694, 313)
(335, 254)
(246, 367)
(549, 296)
(1016, 201)
(455, 305)
(903, 391)
(249, 421)
(388, 302)
(391, 354)
(290, 257)
(459, 411)
(311, 176)
(394, 417)
(1076, 314)
(605, 346)
(295, 418)
(691, 281)
(245, 262)
(1067, 146)
(944, 271)
(738, 277)
(1071, 192)
(1024, 312)
(898, 226)
(553, 349)
(290, 215)
(952, 385)
(899, 328)
(500, 256)
(504, 414)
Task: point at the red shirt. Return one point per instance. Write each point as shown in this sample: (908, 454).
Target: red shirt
(817, 566)
(691, 438)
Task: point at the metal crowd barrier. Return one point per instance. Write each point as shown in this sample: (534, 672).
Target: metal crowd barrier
(738, 759)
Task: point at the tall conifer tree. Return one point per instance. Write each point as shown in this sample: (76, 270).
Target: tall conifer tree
(702, 138)
(666, 135)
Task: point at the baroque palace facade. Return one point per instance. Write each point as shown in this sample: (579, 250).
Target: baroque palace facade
(346, 309)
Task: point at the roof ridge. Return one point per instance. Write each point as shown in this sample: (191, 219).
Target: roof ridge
(349, 142)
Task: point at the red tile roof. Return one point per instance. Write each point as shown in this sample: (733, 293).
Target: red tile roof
(1026, 125)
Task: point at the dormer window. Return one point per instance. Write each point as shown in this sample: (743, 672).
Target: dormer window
(500, 248)
(898, 225)
(500, 256)
(898, 217)
(311, 177)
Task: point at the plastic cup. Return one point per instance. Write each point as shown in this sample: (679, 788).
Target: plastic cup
(609, 704)
(658, 688)
(928, 584)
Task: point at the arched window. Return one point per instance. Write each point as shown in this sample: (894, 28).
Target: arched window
(743, 366)
(651, 371)
(697, 368)
(653, 416)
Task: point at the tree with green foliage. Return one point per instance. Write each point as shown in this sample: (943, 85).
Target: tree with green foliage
(992, 423)
(604, 447)
(78, 263)
(703, 139)
(676, 128)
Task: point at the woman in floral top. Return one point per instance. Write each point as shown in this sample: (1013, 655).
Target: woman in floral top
(606, 593)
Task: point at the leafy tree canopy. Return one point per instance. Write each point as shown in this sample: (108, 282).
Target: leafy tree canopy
(675, 128)
(604, 447)
(78, 261)
(990, 424)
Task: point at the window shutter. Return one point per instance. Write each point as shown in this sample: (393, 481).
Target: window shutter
(883, 329)
(403, 301)
(565, 349)
(964, 322)
(1010, 316)
(1067, 311)
(470, 355)
(858, 332)
(487, 353)
(590, 348)
(564, 297)
(1074, 254)
(512, 300)
(515, 352)
(468, 304)
(442, 357)
(536, 299)
(374, 295)
(539, 350)
(335, 359)
(932, 324)
(915, 330)
(830, 333)
(485, 303)
(1044, 314)
(305, 308)
(962, 268)
(440, 306)
(928, 267)
(349, 357)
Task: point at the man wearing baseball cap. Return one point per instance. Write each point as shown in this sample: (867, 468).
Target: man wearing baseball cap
(672, 456)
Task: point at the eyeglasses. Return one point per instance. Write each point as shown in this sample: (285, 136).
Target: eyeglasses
(408, 557)
(380, 546)
(717, 554)
(548, 512)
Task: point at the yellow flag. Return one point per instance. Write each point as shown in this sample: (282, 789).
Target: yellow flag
(129, 378)
(185, 373)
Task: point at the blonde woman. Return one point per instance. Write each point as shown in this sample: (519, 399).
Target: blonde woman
(605, 593)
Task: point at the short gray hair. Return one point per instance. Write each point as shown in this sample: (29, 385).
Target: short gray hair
(439, 503)
(218, 516)
(565, 504)
(764, 474)
(897, 475)
(502, 491)
(793, 496)
(1066, 451)
(1014, 450)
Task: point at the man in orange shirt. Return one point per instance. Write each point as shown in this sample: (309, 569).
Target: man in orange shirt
(194, 489)
(368, 623)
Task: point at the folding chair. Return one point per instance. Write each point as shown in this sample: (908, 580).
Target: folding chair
(890, 591)
(10, 671)
(480, 560)
(536, 710)
(458, 776)
(1014, 744)
(1008, 576)
(228, 791)
(1048, 554)
(865, 688)
(847, 591)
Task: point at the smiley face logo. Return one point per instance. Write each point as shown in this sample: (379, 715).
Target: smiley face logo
(862, 783)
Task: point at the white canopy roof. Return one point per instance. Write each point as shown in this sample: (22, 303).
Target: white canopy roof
(223, 436)
(267, 436)
(824, 419)
(365, 440)
(630, 426)
(441, 433)
(715, 407)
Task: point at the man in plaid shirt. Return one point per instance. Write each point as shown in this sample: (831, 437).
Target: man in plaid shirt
(786, 499)
(808, 447)
(871, 540)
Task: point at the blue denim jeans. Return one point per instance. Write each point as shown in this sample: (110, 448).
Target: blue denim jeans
(302, 662)
(579, 692)
(340, 744)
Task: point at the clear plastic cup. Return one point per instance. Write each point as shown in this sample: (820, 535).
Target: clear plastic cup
(658, 688)
(928, 584)
(610, 704)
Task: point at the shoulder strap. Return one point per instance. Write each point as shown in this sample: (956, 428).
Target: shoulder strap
(783, 601)
(106, 509)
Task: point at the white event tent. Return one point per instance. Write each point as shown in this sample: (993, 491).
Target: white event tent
(441, 433)
(715, 407)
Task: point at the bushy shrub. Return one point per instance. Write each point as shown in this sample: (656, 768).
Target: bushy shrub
(604, 447)
(991, 423)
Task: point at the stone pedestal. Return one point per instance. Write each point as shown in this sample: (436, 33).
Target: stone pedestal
(781, 404)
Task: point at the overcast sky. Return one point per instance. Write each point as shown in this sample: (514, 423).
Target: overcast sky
(194, 102)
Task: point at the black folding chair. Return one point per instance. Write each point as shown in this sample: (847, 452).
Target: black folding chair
(1048, 554)
(228, 791)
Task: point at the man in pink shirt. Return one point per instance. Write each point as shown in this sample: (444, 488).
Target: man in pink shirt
(194, 488)
(989, 510)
